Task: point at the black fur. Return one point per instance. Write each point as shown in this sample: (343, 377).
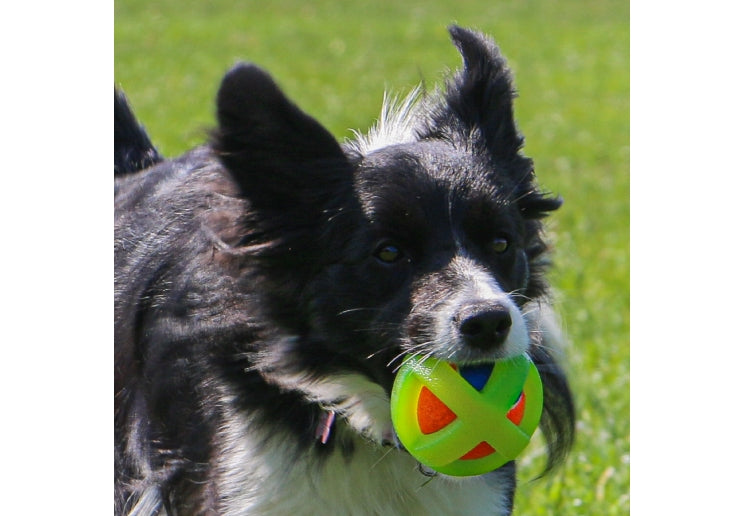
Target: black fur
(260, 256)
(133, 150)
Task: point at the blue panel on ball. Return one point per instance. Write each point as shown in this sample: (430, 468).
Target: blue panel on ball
(477, 375)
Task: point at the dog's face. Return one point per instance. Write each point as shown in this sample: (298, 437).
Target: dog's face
(452, 244)
(437, 265)
(421, 238)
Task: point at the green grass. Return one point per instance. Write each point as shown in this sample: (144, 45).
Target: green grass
(334, 59)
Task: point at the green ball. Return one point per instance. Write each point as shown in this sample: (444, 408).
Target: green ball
(468, 420)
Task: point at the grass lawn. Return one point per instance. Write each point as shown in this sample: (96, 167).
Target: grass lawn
(335, 59)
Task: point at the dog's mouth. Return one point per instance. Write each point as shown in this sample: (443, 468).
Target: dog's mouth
(475, 367)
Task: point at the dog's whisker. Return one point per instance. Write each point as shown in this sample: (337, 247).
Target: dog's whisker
(382, 350)
(383, 457)
(359, 309)
(411, 354)
(531, 311)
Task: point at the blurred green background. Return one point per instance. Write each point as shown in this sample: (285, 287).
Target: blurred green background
(571, 63)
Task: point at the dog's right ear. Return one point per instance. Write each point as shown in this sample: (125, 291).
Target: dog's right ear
(282, 159)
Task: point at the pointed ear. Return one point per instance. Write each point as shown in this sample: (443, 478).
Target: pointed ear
(281, 158)
(480, 96)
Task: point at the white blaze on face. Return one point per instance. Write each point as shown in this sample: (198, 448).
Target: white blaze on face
(476, 285)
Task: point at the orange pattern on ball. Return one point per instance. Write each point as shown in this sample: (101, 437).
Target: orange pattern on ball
(483, 449)
(432, 413)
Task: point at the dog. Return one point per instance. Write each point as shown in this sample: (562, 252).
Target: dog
(270, 283)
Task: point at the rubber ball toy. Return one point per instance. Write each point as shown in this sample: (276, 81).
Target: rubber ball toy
(466, 420)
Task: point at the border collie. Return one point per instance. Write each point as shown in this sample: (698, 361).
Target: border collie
(269, 284)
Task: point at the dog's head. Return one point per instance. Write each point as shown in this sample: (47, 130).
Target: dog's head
(422, 237)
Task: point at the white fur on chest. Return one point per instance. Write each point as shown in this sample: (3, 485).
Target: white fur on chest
(265, 479)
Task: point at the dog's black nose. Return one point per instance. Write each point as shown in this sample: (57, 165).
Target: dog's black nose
(484, 325)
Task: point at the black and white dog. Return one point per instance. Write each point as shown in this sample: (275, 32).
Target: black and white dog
(269, 284)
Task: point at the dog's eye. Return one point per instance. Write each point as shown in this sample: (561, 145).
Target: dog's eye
(499, 245)
(388, 253)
